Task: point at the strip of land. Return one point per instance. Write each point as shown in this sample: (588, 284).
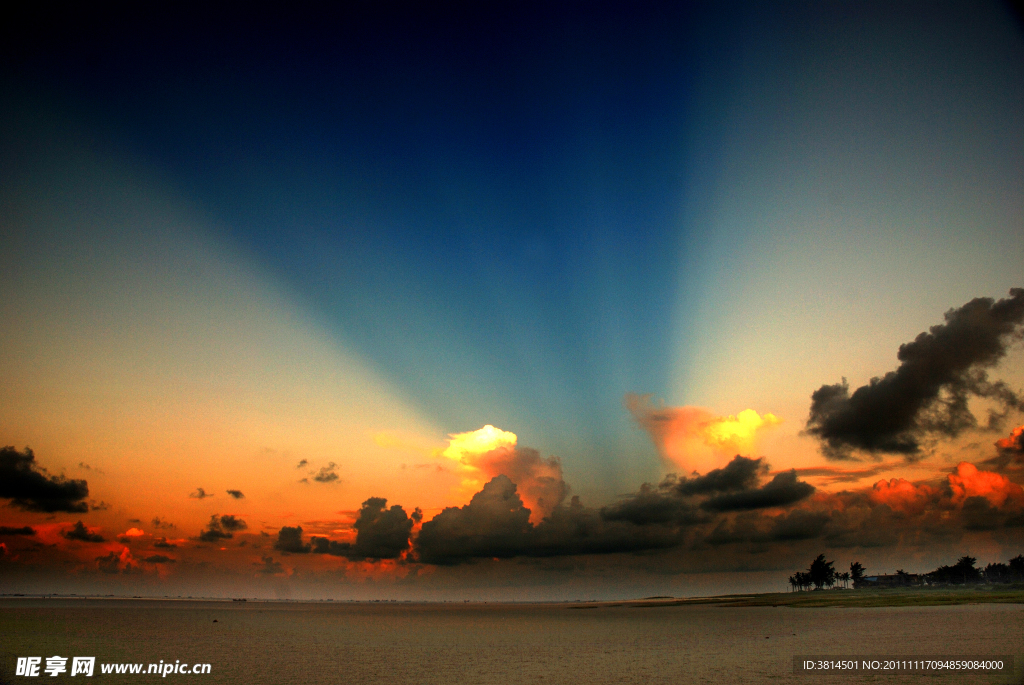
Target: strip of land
(924, 596)
(860, 598)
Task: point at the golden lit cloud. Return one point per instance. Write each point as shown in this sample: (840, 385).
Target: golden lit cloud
(694, 438)
(488, 452)
(465, 447)
(968, 481)
(902, 495)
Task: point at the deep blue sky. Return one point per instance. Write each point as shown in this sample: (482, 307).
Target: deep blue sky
(471, 196)
(519, 212)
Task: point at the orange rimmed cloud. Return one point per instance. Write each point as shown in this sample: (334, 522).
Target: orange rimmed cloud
(694, 438)
(902, 495)
(489, 451)
(968, 481)
(1015, 441)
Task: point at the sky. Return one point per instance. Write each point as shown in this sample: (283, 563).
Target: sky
(517, 301)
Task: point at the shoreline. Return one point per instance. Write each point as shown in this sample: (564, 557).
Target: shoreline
(942, 596)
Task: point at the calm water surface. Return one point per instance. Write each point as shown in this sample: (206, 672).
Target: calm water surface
(272, 642)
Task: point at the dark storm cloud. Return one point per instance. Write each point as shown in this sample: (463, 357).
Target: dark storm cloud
(652, 505)
(928, 393)
(381, 533)
(739, 474)
(676, 500)
(221, 528)
(237, 494)
(200, 494)
(81, 533)
(159, 559)
(29, 487)
(289, 539)
(24, 530)
(163, 544)
(496, 524)
(232, 523)
(326, 474)
(784, 489)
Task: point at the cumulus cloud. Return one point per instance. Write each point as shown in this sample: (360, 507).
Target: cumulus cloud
(927, 395)
(902, 495)
(237, 494)
(302, 463)
(117, 563)
(488, 452)
(269, 567)
(782, 490)
(81, 533)
(164, 544)
(30, 487)
(731, 488)
(693, 438)
(968, 481)
(222, 528)
(289, 539)
(494, 524)
(1009, 451)
(200, 494)
(381, 533)
(497, 524)
(232, 523)
(653, 505)
(891, 512)
(742, 473)
(326, 474)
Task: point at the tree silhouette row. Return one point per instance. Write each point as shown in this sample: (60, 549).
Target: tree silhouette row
(822, 574)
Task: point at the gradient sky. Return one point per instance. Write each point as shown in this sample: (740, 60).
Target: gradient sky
(234, 244)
